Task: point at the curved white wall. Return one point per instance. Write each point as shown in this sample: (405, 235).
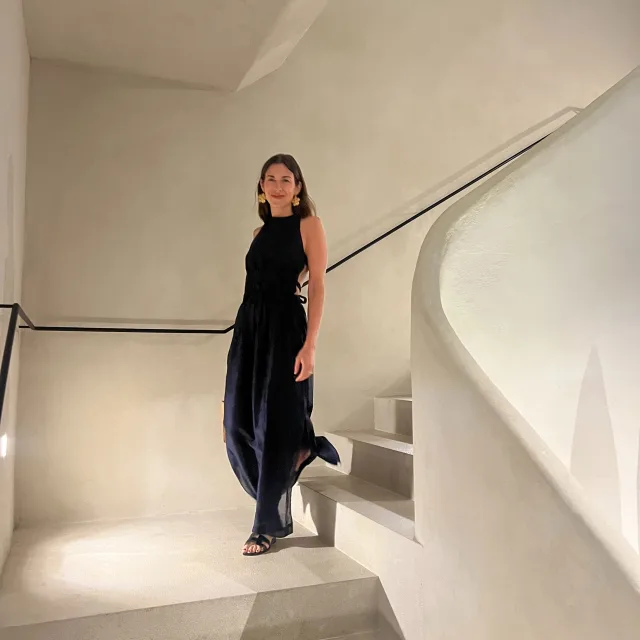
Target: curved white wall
(541, 282)
(525, 351)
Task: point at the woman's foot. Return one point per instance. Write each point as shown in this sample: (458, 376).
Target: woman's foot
(257, 544)
(302, 456)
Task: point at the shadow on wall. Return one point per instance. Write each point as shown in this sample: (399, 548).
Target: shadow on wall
(594, 461)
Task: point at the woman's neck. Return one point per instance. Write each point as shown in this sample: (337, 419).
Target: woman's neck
(282, 212)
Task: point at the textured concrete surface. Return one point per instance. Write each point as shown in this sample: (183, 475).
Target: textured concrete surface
(92, 570)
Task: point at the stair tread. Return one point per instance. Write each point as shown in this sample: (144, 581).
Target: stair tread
(392, 510)
(393, 441)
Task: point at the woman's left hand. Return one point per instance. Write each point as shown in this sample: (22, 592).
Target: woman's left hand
(305, 362)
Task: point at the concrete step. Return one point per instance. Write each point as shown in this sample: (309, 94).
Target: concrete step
(379, 457)
(397, 442)
(393, 414)
(180, 578)
(318, 498)
(373, 526)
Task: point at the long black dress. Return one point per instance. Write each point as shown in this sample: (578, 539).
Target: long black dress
(267, 414)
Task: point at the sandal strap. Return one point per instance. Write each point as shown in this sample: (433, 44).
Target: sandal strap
(261, 540)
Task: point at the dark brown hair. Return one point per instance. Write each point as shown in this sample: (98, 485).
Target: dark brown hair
(306, 207)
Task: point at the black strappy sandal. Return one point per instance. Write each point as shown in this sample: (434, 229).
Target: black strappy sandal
(260, 541)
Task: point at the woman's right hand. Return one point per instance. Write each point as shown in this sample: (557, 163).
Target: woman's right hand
(305, 362)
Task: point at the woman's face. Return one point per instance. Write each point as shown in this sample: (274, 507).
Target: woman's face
(279, 186)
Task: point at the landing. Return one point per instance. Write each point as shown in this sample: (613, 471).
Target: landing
(84, 570)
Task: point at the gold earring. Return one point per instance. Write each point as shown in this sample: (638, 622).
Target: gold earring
(296, 201)
(262, 198)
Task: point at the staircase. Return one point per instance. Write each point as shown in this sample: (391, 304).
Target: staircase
(376, 481)
(182, 577)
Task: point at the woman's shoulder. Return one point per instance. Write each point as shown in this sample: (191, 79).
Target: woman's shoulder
(311, 223)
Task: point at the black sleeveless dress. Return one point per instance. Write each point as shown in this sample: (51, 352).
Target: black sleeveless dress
(267, 414)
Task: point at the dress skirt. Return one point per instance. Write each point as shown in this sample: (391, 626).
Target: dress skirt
(267, 414)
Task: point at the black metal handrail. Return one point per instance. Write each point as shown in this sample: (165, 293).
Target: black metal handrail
(436, 204)
(17, 311)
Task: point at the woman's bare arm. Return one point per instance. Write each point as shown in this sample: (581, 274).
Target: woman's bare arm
(315, 246)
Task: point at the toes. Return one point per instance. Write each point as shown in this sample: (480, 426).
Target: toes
(253, 548)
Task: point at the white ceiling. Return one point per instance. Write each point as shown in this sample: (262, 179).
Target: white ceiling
(225, 44)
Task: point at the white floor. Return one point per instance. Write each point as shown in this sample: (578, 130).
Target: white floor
(92, 569)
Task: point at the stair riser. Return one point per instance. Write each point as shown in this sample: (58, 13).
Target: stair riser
(386, 468)
(307, 613)
(393, 415)
(375, 546)
(389, 469)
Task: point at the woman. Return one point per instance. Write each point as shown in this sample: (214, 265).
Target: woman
(269, 387)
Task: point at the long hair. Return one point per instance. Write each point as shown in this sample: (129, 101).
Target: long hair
(306, 207)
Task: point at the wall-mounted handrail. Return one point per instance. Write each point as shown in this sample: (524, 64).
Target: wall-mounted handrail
(5, 365)
(436, 204)
(6, 355)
